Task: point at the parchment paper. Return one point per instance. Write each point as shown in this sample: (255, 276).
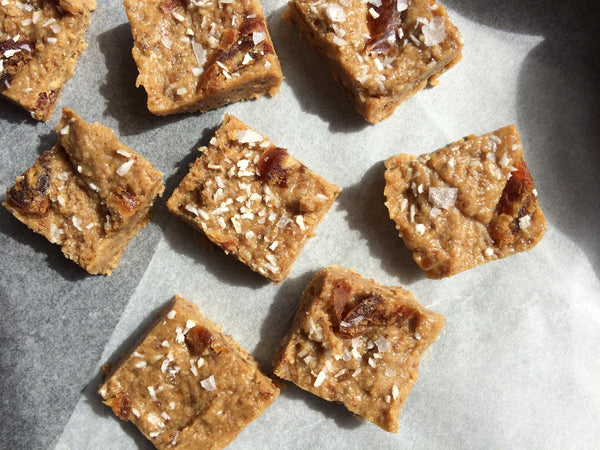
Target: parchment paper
(516, 365)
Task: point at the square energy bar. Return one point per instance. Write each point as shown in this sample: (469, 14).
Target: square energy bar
(40, 41)
(185, 385)
(196, 55)
(381, 52)
(357, 343)
(466, 204)
(253, 199)
(90, 194)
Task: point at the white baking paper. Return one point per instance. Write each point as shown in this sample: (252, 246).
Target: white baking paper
(516, 365)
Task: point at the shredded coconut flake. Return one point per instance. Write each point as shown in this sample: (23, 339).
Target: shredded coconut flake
(374, 14)
(64, 130)
(320, 378)
(77, 223)
(443, 197)
(209, 383)
(401, 5)
(300, 222)
(434, 31)
(191, 209)
(124, 168)
(338, 41)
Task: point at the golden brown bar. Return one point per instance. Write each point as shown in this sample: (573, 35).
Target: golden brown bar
(380, 52)
(40, 41)
(466, 204)
(90, 194)
(357, 343)
(186, 385)
(196, 55)
(253, 199)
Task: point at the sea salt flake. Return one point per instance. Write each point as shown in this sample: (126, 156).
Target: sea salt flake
(525, 222)
(443, 197)
(209, 383)
(335, 12)
(395, 391)
(171, 314)
(434, 31)
(374, 14)
(248, 136)
(247, 59)
(383, 345)
(420, 229)
(64, 130)
(258, 37)
(200, 55)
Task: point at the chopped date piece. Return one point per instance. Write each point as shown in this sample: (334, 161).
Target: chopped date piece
(370, 370)
(341, 297)
(176, 396)
(270, 166)
(489, 208)
(517, 201)
(168, 6)
(121, 406)
(199, 340)
(360, 317)
(383, 27)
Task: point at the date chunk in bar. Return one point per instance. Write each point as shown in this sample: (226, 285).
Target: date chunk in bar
(40, 42)
(197, 55)
(380, 52)
(186, 385)
(90, 194)
(466, 204)
(358, 343)
(253, 199)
